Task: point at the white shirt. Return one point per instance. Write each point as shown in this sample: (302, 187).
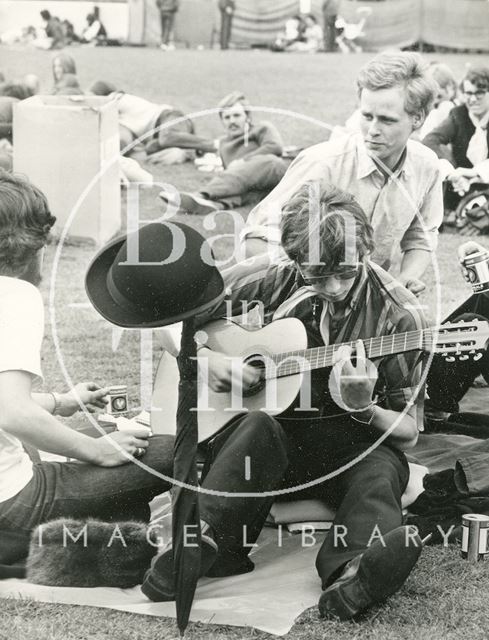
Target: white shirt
(435, 118)
(137, 114)
(21, 333)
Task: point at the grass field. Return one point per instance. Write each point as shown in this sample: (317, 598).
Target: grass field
(445, 598)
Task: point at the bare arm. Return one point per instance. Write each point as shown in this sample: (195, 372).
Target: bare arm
(23, 418)
(91, 395)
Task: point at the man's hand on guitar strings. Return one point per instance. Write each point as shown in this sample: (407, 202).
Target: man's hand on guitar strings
(352, 385)
(222, 375)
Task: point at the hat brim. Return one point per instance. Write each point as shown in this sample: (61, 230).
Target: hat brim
(138, 318)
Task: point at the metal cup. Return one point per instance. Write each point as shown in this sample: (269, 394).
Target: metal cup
(476, 272)
(475, 530)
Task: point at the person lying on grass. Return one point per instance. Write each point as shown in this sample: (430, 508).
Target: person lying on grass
(251, 154)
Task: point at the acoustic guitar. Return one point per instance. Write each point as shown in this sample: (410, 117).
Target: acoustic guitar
(280, 351)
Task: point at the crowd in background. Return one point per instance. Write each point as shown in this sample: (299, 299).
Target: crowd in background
(57, 33)
(455, 128)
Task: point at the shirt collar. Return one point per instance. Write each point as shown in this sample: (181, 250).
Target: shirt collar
(366, 166)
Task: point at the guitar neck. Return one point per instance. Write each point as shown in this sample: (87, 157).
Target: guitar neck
(291, 362)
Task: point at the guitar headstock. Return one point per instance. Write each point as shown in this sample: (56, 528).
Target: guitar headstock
(459, 339)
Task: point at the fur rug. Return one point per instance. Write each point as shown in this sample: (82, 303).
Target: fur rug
(90, 553)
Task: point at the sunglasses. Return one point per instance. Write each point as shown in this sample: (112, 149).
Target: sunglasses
(346, 273)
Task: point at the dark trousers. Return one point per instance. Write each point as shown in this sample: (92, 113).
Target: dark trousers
(226, 26)
(329, 33)
(79, 490)
(448, 382)
(366, 494)
(237, 521)
(167, 19)
(258, 173)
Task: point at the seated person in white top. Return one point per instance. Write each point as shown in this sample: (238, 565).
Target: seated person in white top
(396, 181)
(99, 483)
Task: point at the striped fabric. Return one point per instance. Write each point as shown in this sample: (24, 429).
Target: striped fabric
(393, 23)
(259, 21)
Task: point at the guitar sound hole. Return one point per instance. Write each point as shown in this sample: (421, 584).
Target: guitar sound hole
(257, 362)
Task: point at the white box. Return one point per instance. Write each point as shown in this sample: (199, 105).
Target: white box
(68, 146)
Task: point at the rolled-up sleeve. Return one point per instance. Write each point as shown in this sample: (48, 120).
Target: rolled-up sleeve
(422, 233)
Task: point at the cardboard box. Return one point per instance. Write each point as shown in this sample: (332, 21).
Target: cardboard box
(67, 145)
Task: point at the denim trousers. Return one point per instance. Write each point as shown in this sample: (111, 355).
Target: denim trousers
(81, 490)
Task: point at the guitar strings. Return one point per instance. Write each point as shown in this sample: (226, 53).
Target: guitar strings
(293, 362)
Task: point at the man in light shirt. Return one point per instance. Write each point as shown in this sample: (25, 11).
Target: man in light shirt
(396, 181)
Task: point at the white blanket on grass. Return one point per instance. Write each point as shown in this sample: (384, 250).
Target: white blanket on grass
(282, 586)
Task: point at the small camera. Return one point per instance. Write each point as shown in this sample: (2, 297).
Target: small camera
(117, 400)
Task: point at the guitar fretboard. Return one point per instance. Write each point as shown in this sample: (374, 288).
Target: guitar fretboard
(292, 362)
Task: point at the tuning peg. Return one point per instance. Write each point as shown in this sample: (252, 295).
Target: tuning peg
(463, 357)
(450, 358)
(478, 356)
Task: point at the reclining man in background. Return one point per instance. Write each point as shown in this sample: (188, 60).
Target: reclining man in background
(338, 298)
(396, 181)
(104, 486)
(141, 118)
(250, 154)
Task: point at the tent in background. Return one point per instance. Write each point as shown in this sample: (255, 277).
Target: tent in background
(463, 24)
(197, 21)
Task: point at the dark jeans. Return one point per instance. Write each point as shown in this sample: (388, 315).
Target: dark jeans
(448, 382)
(79, 490)
(261, 438)
(167, 19)
(258, 173)
(366, 494)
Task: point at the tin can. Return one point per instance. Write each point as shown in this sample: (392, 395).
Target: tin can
(477, 274)
(475, 529)
(117, 400)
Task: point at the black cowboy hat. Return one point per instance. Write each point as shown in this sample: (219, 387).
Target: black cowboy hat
(158, 275)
